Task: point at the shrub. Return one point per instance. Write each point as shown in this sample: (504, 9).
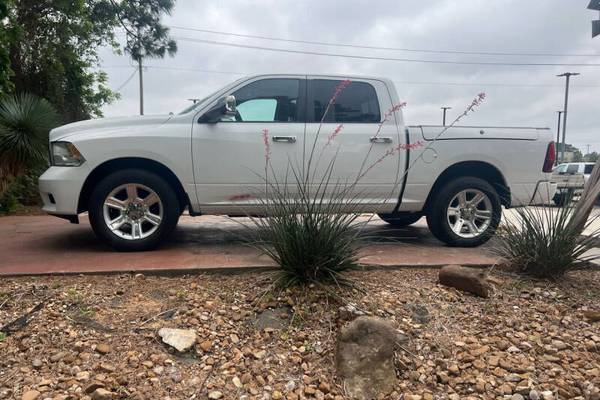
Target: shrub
(25, 120)
(311, 227)
(313, 240)
(544, 242)
(547, 242)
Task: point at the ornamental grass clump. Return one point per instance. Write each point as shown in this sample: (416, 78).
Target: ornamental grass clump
(546, 242)
(312, 226)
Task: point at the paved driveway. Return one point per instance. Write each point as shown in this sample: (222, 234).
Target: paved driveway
(45, 244)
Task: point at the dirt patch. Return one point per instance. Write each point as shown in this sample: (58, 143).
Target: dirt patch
(101, 332)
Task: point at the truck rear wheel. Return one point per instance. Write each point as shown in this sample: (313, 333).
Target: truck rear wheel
(397, 219)
(133, 210)
(465, 212)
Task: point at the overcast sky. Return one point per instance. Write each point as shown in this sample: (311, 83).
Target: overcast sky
(516, 95)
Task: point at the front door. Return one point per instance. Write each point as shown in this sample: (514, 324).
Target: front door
(230, 156)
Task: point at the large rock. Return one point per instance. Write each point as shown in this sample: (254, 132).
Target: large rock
(466, 279)
(180, 339)
(365, 357)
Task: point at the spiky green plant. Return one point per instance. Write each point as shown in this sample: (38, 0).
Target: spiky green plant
(548, 242)
(544, 242)
(311, 231)
(25, 120)
(311, 227)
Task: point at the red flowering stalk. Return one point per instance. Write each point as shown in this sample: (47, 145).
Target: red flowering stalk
(336, 93)
(338, 90)
(390, 152)
(477, 101)
(265, 136)
(390, 111)
(333, 135)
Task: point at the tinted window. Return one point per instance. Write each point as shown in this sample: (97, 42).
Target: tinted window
(356, 103)
(588, 168)
(572, 169)
(268, 100)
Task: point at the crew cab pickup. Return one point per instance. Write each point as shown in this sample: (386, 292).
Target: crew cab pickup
(135, 176)
(570, 178)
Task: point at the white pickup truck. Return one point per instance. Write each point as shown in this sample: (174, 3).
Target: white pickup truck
(135, 176)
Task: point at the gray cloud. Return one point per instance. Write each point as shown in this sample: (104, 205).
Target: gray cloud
(532, 26)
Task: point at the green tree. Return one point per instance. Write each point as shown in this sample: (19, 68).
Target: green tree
(591, 157)
(146, 37)
(53, 52)
(5, 71)
(25, 120)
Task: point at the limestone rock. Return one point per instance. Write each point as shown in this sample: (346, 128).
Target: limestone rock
(31, 395)
(466, 279)
(365, 357)
(180, 339)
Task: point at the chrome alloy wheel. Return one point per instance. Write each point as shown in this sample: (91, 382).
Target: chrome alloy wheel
(469, 213)
(133, 211)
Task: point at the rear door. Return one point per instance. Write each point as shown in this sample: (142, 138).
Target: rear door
(352, 133)
(230, 155)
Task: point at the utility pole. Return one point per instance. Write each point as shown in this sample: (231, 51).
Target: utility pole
(557, 138)
(568, 76)
(444, 115)
(141, 86)
(588, 149)
(595, 5)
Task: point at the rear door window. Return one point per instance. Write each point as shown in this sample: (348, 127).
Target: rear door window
(357, 103)
(588, 168)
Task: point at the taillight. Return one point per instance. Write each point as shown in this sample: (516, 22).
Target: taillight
(550, 158)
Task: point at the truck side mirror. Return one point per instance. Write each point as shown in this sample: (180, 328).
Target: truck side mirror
(230, 105)
(224, 107)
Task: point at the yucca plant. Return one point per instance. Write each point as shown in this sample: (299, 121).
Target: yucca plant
(25, 120)
(547, 242)
(312, 228)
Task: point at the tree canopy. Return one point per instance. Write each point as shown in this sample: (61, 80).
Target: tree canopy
(146, 36)
(52, 48)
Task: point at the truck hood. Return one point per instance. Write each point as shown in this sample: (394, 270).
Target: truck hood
(103, 124)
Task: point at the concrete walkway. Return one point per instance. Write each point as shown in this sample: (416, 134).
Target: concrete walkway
(48, 245)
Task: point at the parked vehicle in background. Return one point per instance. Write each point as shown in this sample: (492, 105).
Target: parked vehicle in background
(570, 179)
(135, 176)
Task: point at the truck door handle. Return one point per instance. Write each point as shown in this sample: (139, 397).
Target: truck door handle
(379, 139)
(289, 139)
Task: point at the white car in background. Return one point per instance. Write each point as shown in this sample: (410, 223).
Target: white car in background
(135, 176)
(570, 178)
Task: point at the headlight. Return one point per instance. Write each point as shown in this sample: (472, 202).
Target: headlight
(65, 154)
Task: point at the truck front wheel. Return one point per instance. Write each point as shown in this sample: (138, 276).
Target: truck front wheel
(465, 212)
(133, 210)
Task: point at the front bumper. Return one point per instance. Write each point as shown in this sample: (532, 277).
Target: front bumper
(60, 188)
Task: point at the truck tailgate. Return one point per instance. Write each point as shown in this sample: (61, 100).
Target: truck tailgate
(430, 132)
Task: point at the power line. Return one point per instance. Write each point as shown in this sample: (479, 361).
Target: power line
(359, 57)
(127, 80)
(441, 83)
(362, 46)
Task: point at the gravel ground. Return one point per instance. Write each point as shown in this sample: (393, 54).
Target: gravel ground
(101, 332)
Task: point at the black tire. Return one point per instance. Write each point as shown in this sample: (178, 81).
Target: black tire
(166, 194)
(437, 218)
(398, 219)
(560, 199)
